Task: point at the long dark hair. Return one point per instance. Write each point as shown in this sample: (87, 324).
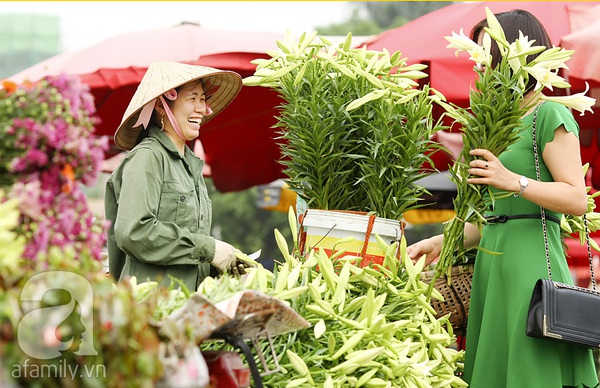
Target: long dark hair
(512, 22)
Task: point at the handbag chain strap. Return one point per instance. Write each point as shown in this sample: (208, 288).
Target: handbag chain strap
(543, 211)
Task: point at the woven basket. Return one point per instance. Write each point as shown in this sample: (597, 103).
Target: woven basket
(457, 294)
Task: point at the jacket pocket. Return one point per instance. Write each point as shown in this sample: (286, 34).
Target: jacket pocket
(179, 204)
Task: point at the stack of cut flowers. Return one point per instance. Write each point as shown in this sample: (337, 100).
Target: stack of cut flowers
(370, 326)
(497, 106)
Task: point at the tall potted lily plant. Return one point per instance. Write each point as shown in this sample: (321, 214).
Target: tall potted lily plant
(355, 125)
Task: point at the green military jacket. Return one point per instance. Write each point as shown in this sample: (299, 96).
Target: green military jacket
(160, 215)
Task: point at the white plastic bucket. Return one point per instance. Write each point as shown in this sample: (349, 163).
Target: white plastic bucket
(323, 229)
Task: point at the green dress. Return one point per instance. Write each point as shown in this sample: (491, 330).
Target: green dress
(498, 353)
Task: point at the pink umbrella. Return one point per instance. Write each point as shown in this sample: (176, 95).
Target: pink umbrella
(585, 64)
(422, 40)
(574, 24)
(584, 67)
(181, 43)
(239, 144)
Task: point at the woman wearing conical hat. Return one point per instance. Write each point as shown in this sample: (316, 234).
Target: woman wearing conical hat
(156, 199)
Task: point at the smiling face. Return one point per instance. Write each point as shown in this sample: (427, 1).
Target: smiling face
(188, 109)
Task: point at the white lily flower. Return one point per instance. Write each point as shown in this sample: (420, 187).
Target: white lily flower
(461, 42)
(478, 54)
(424, 368)
(516, 65)
(554, 58)
(495, 30)
(553, 64)
(545, 77)
(487, 42)
(578, 101)
(487, 50)
(520, 49)
(525, 47)
(514, 60)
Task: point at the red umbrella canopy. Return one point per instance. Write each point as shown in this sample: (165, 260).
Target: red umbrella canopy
(239, 144)
(422, 40)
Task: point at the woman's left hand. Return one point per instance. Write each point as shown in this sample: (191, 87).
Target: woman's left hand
(488, 170)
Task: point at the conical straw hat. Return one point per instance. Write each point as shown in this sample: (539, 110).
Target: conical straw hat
(223, 87)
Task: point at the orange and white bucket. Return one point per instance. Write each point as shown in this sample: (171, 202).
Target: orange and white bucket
(323, 229)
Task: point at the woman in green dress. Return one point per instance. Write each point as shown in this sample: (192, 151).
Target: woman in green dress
(498, 352)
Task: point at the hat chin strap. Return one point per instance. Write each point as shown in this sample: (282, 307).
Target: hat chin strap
(172, 120)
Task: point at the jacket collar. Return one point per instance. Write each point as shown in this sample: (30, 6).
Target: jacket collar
(193, 162)
(163, 139)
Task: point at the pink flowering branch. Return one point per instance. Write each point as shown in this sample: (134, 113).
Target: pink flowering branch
(49, 150)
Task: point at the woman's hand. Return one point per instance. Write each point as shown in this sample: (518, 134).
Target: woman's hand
(488, 170)
(225, 257)
(430, 247)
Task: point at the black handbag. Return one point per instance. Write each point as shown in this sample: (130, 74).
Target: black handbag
(563, 312)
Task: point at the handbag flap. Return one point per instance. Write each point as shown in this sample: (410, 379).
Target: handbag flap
(571, 312)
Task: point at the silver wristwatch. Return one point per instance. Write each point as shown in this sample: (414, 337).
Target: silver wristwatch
(524, 182)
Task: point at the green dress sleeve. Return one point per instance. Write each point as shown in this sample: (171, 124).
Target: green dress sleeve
(551, 116)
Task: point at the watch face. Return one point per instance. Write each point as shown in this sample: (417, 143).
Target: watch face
(524, 181)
